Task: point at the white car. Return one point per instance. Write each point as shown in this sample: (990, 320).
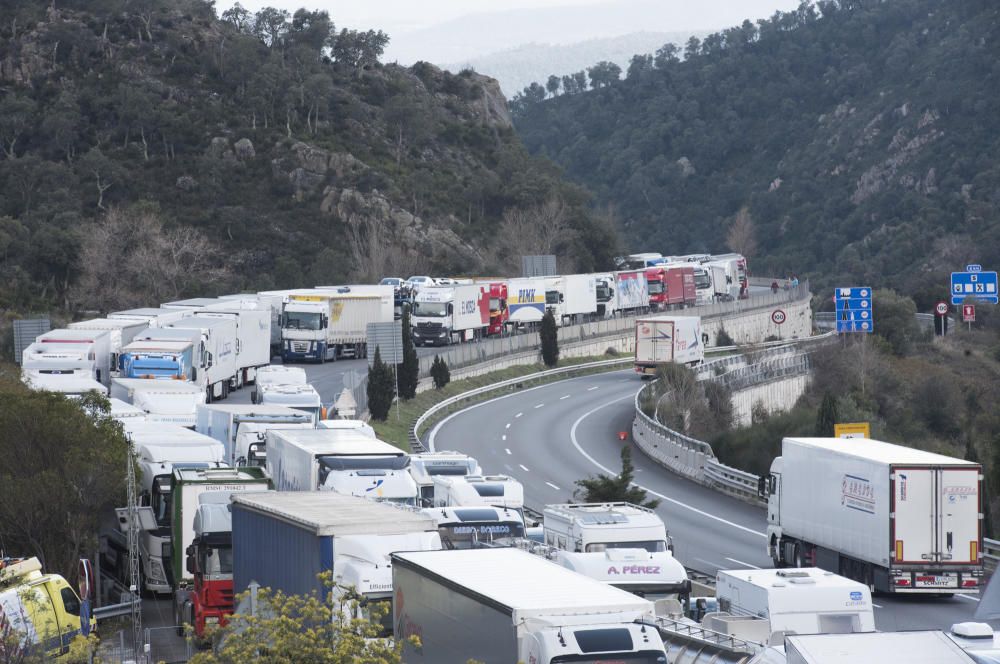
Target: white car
(446, 281)
(416, 282)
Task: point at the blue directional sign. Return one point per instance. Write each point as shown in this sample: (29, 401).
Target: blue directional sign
(974, 285)
(854, 309)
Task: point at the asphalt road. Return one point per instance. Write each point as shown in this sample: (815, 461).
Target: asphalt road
(549, 436)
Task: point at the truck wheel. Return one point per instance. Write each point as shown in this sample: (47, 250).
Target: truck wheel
(800, 557)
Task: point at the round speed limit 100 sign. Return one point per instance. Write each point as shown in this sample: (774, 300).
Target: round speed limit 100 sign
(778, 316)
(941, 308)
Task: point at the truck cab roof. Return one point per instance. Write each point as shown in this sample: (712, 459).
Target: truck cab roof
(879, 451)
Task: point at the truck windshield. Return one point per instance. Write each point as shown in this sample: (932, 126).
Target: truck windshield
(302, 320)
(494, 304)
(603, 293)
(438, 469)
(430, 309)
(648, 657)
(552, 297)
(465, 535)
(364, 462)
(702, 280)
(653, 546)
(156, 366)
(655, 287)
(218, 561)
(160, 500)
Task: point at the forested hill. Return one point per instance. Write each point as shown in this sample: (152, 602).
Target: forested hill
(863, 138)
(149, 150)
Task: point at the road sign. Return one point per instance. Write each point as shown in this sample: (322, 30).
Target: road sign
(854, 309)
(968, 313)
(974, 284)
(778, 317)
(388, 337)
(941, 308)
(852, 430)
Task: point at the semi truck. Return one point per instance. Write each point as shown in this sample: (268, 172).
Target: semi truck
(671, 287)
(499, 312)
(253, 336)
(120, 333)
(165, 401)
(320, 325)
(303, 398)
(896, 519)
(663, 339)
(60, 361)
(343, 461)
(279, 374)
(803, 601)
(504, 605)
(325, 532)
(242, 428)
(98, 343)
(525, 302)
(425, 467)
(201, 542)
(572, 297)
(478, 490)
(471, 527)
(619, 543)
(182, 353)
(40, 613)
(443, 315)
(152, 316)
(219, 349)
(622, 293)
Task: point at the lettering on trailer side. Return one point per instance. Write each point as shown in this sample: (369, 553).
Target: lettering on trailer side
(634, 569)
(857, 493)
(956, 493)
(406, 626)
(467, 307)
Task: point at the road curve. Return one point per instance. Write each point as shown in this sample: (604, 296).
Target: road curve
(552, 435)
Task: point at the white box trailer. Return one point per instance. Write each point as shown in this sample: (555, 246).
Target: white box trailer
(153, 316)
(925, 647)
(526, 301)
(503, 605)
(663, 339)
(572, 297)
(899, 519)
(804, 601)
(242, 428)
(325, 324)
(165, 401)
(253, 337)
(218, 340)
(59, 361)
(120, 334)
(99, 342)
(190, 304)
(445, 314)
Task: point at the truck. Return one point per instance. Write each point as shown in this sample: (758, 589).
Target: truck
(303, 398)
(40, 613)
(253, 336)
(350, 537)
(640, 261)
(896, 519)
(279, 374)
(347, 462)
(190, 304)
(242, 428)
(152, 316)
(910, 646)
(97, 341)
(525, 609)
(174, 358)
(736, 266)
(124, 411)
(525, 302)
(803, 601)
(323, 324)
(425, 467)
(622, 293)
(443, 315)
(572, 297)
(57, 361)
(359, 426)
(663, 339)
(475, 490)
(165, 401)
(469, 527)
(218, 367)
(120, 333)
(619, 543)
(204, 595)
(160, 448)
(671, 287)
(273, 301)
(703, 285)
(499, 313)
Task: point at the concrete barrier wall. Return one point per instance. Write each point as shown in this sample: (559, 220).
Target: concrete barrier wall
(756, 325)
(775, 396)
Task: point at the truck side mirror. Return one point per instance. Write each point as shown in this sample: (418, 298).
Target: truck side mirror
(762, 486)
(191, 561)
(324, 321)
(451, 309)
(210, 360)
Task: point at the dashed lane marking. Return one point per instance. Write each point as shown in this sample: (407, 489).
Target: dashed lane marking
(507, 450)
(539, 406)
(524, 468)
(564, 397)
(553, 486)
(740, 562)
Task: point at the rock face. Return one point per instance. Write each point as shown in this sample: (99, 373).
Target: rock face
(307, 167)
(687, 168)
(244, 149)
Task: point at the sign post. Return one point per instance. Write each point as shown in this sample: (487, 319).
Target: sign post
(974, 285)
(854, 310)
(778, 317)
(969, 314)
(941, 318)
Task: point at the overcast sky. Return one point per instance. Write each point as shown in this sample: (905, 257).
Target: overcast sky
(416, 27)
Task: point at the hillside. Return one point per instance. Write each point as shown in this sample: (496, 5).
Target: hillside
(861, 137)
(517, 68)
(151, 150)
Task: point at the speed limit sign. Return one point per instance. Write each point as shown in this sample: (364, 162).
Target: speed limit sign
(941, 308)
(778, 316)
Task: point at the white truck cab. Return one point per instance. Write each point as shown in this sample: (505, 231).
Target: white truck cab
(424, 467)
(478, 490)
(470, 527)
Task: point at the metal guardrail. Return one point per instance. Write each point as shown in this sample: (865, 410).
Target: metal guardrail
(828, 320)
(115, 610)
(991, 554)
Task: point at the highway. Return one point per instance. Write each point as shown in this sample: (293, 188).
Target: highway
(549, 436)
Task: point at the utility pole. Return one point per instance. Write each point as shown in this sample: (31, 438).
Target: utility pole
(133, 550)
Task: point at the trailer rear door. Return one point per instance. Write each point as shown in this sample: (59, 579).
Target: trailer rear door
(959, 530)
(937, 515)
(914, 508)
(654, 341)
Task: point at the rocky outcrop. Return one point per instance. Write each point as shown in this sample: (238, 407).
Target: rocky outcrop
(903, 149)
(307, 167)
(687, 168)
(244, 149)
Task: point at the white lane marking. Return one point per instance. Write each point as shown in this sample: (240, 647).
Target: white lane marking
(970, 598)
(437, 427)
(503, 437)
(524, 468)
(877, 606)
(565, 397)
(539, 406)
(576, 444)
(740, 562)
(507, 450)
(508, 426)
(553, 486)
(591, 389)
(710, 562)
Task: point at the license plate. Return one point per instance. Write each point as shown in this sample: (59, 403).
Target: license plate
(927, 581)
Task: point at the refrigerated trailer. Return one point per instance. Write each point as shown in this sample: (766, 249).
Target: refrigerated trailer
(897, 519)
(120, 334)
(322, 324)
(667, 339)
(445, 314)
(572, 297)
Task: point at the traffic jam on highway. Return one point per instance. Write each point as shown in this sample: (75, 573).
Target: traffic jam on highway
(440, 546)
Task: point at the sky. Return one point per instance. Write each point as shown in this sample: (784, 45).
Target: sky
(446, 30)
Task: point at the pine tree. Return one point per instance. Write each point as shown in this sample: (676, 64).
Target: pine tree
(550, 339)
(380, 388)
(827, 416)
(409, 371)
(605, 489)
(440, 373)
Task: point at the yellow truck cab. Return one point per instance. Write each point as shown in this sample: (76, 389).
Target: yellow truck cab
(41, 610)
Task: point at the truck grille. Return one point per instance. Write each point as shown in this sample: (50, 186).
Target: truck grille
(300, 346)
(429, 327)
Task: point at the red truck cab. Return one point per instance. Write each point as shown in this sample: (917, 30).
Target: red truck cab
(498, 307)
(209, 560)
(671, 286)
